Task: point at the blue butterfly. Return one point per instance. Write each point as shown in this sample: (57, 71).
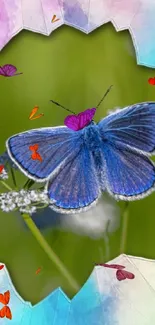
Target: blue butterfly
(81, 159)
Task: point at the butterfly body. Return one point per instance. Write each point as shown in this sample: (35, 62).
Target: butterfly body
(82, 159)
(94, 143)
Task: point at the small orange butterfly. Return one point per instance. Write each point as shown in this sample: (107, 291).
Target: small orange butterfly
(35, 155)
(1, 168)
(54, 19)
(38, 270)
(33, 112)
(5, 312)
(5, 298)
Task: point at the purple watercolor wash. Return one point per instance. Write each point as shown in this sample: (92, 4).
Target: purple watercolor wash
(9, 70)
(79, 121)
(73, 14)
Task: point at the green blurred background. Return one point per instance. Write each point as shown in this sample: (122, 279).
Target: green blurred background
(74, 69)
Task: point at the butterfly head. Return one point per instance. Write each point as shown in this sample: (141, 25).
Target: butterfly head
(81, 120)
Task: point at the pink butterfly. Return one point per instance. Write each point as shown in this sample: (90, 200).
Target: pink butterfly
(9, 70)
(120, 273)
(79, 121)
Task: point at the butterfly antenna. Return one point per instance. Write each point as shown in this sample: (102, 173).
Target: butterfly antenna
(106, 93)
(61, 106)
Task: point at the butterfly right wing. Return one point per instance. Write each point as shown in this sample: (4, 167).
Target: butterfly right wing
(129, 174)
(128, 137)
(132, 126)
(76, 187)
(55, 146)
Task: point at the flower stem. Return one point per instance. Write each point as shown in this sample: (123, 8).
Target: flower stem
(46, 247)
(28, 184)
(51, 254)
(106, 242)
(13, 178)
(125, 217)
(6, 185)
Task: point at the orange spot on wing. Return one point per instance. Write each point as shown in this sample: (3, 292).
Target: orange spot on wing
(1, 168)
(34, 147)
(35, 155)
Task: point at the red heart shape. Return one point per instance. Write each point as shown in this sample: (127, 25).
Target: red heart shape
(122, 275)
(151, 81)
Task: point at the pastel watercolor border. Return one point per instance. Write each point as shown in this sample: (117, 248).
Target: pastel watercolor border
(86, 15)
(105, 298)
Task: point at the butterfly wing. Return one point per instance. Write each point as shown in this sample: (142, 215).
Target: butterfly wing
(3, 312)
(76, 187)
(128, 136)
(6, 297)
(130, 175)
(9, 70)
(8, 313)
(2, 73)
(133, 126)
(55, 146)
(2, 300)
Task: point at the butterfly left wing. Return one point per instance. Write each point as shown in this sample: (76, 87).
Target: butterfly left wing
(40, 152)
(76, 187)
(133, 126)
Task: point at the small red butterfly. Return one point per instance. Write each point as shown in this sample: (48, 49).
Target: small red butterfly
(151, 81)
(33, 112)
(1, 168)
(120, 273)
(38, 270)
(5, 298)
(54, 19)
(5, 312)
(35, 155)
